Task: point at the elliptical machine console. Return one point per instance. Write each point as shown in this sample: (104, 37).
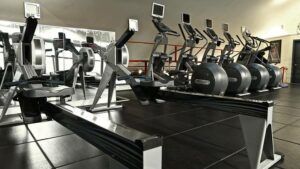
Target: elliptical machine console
(248, 57)
(187, 61)
(209, 77)
(238, 75)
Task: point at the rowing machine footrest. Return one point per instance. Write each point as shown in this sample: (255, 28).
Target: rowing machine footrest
(124, 77)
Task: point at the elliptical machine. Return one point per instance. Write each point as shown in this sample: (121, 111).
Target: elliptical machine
(273, 57)
(209, 77)
(155, 75)
(238, 75)
(187, 61)
(248, 57)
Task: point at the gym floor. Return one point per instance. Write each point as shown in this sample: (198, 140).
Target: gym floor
(194, 137)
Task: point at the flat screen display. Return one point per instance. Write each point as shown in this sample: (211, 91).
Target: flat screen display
(209, 23)
(225, 27)
(185, 18)
(158, 10)
(89, 39)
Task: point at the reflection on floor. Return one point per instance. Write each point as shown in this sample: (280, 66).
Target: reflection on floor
(50, 145)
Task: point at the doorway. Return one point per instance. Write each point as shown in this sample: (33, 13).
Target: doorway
(296, 62)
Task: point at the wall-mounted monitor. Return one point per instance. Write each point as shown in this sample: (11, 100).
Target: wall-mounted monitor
(158, 10)
(185, 18)
(209, 23)
(225, 27)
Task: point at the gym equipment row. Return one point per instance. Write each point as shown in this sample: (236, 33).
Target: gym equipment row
(130, 147)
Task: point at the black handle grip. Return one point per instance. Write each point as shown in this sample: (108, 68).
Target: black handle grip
(197, 30)
(221, 40)
(240, 40)
(173, 34)
(182, 32)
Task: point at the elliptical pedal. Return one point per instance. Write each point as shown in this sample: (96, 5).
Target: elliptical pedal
(262, 91)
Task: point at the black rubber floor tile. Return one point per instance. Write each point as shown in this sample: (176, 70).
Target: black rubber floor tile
(289, 133)
(291, 152)
(23, 156)
(237, 161)
(225, 137)
(101, 162)
(234, 122)
(48, 129)
(221, 166)
(68, 149)
(185, 152)
(14, 135)
(201, 147)
(154, 110)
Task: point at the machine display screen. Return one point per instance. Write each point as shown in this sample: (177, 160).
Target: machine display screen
(89, 39)
(225, 27)
(185, 18)
(209, 23)
(158, 10)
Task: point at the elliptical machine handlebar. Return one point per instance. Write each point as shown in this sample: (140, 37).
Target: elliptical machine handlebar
(215, 39)
(192, 32)
(182, 32)
(203, 37)
(240, 40)
(221, 40)
(237, 43)
(173, 33)
(260, 39)
(253, 45)
(164, 29)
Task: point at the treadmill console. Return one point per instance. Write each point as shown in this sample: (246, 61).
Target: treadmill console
(158, 10)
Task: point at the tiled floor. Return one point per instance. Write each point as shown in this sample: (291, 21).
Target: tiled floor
(42, 146)
(50, 145)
